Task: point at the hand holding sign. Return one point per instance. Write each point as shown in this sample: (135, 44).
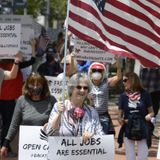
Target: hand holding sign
(4, 151)
(61, 107)
(87, 136)
(19, 57)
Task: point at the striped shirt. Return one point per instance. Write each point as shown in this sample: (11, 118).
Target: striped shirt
(100, 97)
(71, 127)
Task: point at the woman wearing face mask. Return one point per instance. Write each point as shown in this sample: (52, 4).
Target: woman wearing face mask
(32, 108)
(99, 92)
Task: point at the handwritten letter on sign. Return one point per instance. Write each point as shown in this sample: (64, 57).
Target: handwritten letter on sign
(73, 148)
(55, 86)
(10, 36)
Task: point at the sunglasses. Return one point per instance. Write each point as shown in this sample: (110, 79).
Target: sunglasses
(80, 87)
(97, 70)
(125, 80)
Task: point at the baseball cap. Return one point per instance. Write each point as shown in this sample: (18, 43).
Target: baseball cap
(50, 50)
(97, 66)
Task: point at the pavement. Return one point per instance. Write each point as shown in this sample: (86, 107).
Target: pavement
(119, 153)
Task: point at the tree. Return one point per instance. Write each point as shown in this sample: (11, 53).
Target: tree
(36, 7)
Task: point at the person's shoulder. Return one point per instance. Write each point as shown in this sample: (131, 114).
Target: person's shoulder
(145, 93)
(22, 97)
(21, 100)
(53, 99)
(123, 94)
(91, 108)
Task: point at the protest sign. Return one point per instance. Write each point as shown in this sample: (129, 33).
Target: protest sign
(73, 148)
(27, 31)
(9, 39)
(27, 36)
(32, 143)
(55, 86)
(85, 51)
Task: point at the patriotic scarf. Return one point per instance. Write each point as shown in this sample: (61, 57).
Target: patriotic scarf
(133, 96)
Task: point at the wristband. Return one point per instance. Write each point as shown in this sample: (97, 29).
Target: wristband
(16, 63)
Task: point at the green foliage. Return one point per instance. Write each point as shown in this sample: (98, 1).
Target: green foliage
(58, 9)
(36, 7)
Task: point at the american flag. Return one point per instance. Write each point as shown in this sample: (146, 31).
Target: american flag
(129, 28)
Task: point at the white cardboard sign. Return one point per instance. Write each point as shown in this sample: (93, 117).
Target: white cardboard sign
(55, 86)
(85, 51)
(73, 148)
(32, 143)
(10, 36)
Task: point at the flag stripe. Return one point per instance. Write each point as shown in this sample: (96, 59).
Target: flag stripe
(93, 32)
(92, 25)
(100, 29)
(140, 40)
(134, 12)
(101, 45)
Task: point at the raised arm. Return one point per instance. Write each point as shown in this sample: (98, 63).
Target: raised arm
(114, 80)
(13, 72)
(27, 63)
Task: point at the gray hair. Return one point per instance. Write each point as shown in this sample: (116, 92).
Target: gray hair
(74, 81)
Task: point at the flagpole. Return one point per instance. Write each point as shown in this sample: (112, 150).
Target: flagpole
(65, 53)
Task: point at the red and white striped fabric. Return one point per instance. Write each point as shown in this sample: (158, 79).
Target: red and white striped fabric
(129, 28)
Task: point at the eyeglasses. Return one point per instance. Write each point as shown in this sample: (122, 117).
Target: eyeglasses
(97, 70)
(80, 87)
(125, 80)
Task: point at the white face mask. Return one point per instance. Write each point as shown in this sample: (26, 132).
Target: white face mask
(96, 76)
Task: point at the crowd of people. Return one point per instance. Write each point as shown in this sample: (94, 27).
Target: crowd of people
(84, 112)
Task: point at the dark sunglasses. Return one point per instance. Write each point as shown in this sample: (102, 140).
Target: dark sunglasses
(97, 70)
(125, 80)
(80, 87)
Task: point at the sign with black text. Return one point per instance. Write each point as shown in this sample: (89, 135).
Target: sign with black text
(10, 35)
(26, 34)
(33, 143)
(73, 148)
(56, 86)
(85, 51)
